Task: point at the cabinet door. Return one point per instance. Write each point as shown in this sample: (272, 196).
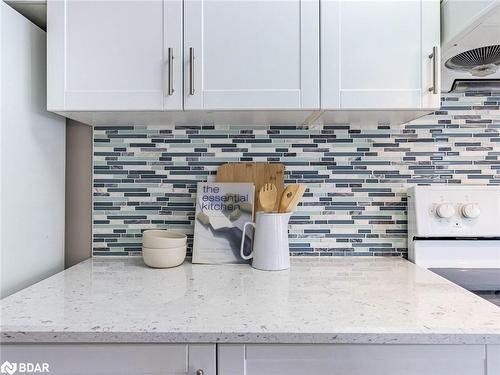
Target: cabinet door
(251, 54)
(345, 359)
(116, 359)
(493, 359)
(375, 54)
(113, 55)
(431, 65)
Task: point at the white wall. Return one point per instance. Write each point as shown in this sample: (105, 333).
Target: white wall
(32, 160)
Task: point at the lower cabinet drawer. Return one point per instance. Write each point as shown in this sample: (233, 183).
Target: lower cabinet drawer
(110, 359)
(351, 359)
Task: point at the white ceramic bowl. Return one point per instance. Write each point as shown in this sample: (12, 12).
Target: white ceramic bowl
(163, 239)
(164, 258)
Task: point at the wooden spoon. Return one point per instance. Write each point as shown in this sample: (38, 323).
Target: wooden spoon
(267, 197)
(290, 197)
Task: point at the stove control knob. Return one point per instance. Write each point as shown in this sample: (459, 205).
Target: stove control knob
(470, 211)
(445, 210)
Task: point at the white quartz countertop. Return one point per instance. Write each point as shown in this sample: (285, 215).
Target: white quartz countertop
(319, 300)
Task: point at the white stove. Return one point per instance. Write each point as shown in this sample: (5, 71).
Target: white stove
(455, 232)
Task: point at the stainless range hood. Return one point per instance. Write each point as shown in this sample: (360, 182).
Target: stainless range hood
(470, 42)
(463, 85)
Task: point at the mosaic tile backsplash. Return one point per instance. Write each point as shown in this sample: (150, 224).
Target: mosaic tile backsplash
(357, 176)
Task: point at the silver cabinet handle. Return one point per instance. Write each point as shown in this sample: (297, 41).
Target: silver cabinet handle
(199, 372)
(435, 62)
(191, 77)
(170, 71)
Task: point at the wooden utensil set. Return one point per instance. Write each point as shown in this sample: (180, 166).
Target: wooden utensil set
(291, 197)
(270, 192)
(288, 200)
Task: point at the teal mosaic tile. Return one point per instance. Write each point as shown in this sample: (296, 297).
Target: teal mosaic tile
(357, 176)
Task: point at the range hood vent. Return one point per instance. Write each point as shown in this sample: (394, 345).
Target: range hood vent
(479, 62)
(477, 85)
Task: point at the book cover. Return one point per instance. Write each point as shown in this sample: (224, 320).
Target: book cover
(221, 211)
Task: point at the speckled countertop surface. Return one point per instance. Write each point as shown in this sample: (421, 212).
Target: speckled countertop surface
(319, 300)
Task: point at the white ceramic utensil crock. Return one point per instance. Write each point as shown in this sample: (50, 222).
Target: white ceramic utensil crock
(270, 246)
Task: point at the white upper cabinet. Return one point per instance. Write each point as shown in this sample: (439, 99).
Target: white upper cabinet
(379, 54)
(114, 55)
(191, 57)
(251, 55)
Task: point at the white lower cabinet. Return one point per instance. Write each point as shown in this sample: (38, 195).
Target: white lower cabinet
(270, 359)
(255, 359)
(119, 359)
(493, 359)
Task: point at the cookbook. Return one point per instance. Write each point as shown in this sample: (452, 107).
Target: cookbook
(222, 208)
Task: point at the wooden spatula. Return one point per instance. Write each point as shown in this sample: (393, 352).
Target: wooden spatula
(291, 197)
(267, 197)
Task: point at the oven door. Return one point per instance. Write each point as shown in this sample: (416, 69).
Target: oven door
(474, 264)
(457, 253)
